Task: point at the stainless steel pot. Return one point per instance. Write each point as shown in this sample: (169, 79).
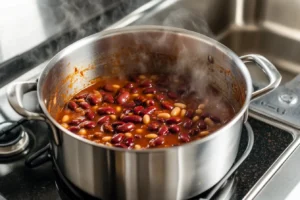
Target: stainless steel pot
(170, 173)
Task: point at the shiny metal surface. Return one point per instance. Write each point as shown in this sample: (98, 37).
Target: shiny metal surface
(108, 172)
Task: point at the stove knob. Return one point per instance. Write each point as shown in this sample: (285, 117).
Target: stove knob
(288, 98)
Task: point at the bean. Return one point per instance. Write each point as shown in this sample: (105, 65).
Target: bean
(132, 118)
(123, 97)
(137, 110)
(146, 83)
(153, 126)
(160, 97)
(72, 105)
(150, 102)
(107, 127)
(189, 113)
(82, 131)
(103, 120)
(149, 91)
(116, 86)
(140, 100)
(108, 88)
(93, 99)
(201, 124)
(167, 105)
(187, 123)
(106, 138)
(117, 123)
(137, 136)
(157, 141)
(113, 117)
(193, 132)
(180, 105)
(108, 144)
(125, 127)
(204, 133)
(215, 119)
(173, 120)
(84, 105)
(209, 122)
(204, 115)
(108, 98)
(183, 112)
(90, 114)
(151, 136)
(117, 138)
(65, 118)
(198, 111)
(129, 85)
(98, 134)
(137, 146)
(74, 128)
(174, 128)
(129, 142)
(118, 109)
(149, 95)
(142, 76)
(172, 95)
(163, 130)
(64, 125)
(134, 91)
(164, 115)
(81, 96)
(196, 118)
(183, 137)
(146, 119)
(130, 104)
(148, 111)
(175, 112)
(139, 130)
(201, 106)
(128, 134)
(88, 124)
(106, 110)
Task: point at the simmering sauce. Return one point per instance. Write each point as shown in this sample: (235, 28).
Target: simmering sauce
(144, 111)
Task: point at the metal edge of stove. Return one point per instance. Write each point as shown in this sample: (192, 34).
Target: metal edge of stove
(259, 185)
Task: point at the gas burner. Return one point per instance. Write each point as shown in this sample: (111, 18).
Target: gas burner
(13, 141)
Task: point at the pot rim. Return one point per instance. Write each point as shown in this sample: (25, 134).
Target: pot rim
(147, 28)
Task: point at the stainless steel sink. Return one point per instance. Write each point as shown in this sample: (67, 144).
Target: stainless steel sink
(268, 27)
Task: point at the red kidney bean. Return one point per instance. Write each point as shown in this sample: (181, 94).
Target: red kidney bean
(88, 124)
(189, 113)
(106, 110)
(134, 90)
(163, 130)
(148, 111)
(127, 127)
(173, 120)
(129, 85)
(204, 115)
(132, 118)
(149, 91)
(72, 105)
(174, 128)
(160, 97)
(140, 100)
(90, 114)
(193, 132)
(77, 121)
(187, 123)
(138, 136)
(157, 141)
(172, 95)
(123, 97)
(117, 123)
(183, 137)
(215, 119)
(107, 127)
(126, 110)
(120, 145)
(137, 110)
(146, 83)
(103, 119)
(129, 142)
(150, 102)
(108, 88)
(201, 125)
(81, 96)
(84, 105)
(153, 126)
(93, 100)
(130, 104)
(74, 128)
(117, 138)
(108, 98)
(167, 105)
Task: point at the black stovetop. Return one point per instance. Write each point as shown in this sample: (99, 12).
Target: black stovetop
(20, 182)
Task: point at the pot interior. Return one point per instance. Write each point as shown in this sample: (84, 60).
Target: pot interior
(138, 50)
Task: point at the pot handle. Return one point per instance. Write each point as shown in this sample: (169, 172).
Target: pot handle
(15, 93)
(268, 68)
